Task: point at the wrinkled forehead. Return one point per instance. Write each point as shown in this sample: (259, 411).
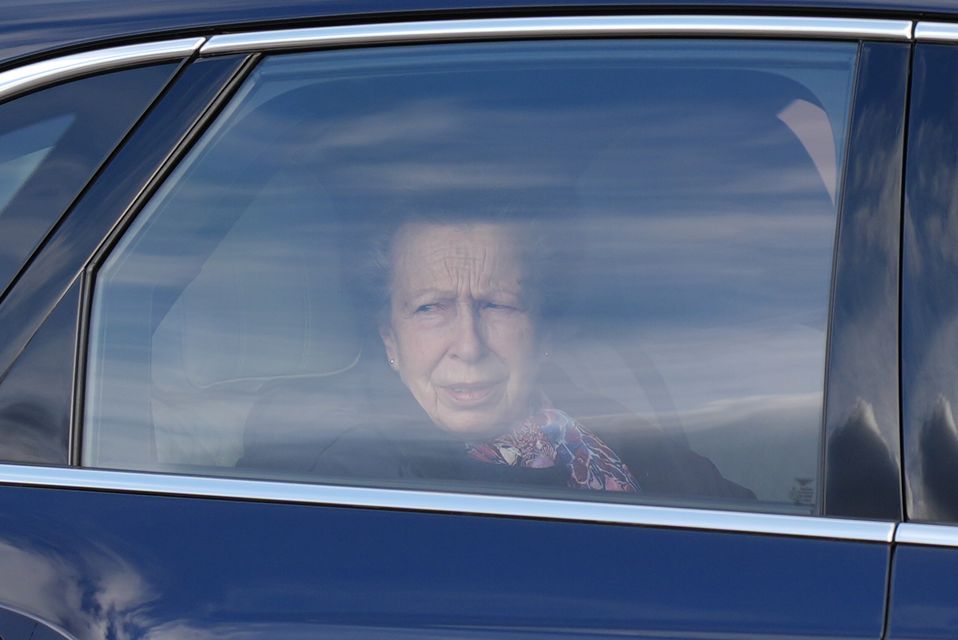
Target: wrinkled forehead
(452, 255)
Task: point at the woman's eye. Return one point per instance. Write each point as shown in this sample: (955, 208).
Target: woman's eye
(427, 308)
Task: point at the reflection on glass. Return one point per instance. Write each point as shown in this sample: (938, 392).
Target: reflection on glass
(533, 266)
(929, 306)
(22, 151)
(51, 143)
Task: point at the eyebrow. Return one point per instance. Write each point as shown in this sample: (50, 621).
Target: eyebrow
(431, 292)
(448, 294)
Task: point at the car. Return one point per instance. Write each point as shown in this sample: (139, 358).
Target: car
(459, 319)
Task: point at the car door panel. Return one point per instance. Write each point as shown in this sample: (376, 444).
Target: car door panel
(923, 594)
(923, 590)
(99, 563)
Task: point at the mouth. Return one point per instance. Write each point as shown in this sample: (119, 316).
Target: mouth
(470, 394)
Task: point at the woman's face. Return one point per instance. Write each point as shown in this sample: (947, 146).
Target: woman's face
(461, 332)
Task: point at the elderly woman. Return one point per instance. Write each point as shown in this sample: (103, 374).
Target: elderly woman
(461, 311)
(463, 333)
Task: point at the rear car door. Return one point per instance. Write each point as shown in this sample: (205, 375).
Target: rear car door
(923, 590)
(709, 231)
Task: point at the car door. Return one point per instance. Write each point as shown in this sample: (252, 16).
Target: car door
(922, 595)
(709, 231)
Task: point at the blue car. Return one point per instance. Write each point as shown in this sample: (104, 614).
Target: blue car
(464, 319)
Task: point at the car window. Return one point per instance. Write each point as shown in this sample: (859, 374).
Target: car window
(23, 151)
(36, 391)
(588, 269)
(52, 141)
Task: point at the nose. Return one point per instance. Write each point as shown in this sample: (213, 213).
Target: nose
(468, 344)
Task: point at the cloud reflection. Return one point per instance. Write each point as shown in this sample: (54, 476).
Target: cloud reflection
(89, 591)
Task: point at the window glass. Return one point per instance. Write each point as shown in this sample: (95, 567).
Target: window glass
(596, 269)
(36, 391)
(52, 142)
(22, 151)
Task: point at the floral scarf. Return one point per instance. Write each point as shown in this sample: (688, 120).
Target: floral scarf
(551, 437)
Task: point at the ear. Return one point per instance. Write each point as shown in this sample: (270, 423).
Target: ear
(389, 342)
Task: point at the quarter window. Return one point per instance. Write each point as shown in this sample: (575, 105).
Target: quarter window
(24, 150)
(588, 269)
(52, 141)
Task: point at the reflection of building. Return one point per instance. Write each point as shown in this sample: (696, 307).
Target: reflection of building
(803, 491)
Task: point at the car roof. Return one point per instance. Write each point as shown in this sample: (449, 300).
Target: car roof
(32, 29)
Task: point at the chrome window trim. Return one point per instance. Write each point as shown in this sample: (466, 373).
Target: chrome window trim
(37, 74)
(936, 32)
(448, 30)
(936, 535)
(444, 502)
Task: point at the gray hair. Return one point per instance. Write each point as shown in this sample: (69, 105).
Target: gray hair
(539, 258)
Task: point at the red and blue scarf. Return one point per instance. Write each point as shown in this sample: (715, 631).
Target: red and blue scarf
(551, 437)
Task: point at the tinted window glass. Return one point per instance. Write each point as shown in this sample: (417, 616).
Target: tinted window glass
(597, 269)
(36, 392)
(51, 143)
(24, 150)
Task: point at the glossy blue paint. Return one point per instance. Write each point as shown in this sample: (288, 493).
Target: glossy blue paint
(924, 592)
(16, 626)
(99, 564)
(33, 28)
